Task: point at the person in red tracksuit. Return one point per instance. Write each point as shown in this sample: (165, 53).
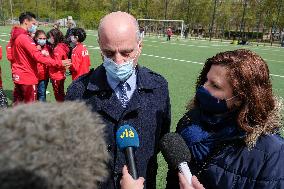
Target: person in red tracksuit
(60, 51)
(80, 56)
(9, 52)
(25, 58)
(169, 33)
(43, 79)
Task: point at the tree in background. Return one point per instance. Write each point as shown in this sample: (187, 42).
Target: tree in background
(265, 16)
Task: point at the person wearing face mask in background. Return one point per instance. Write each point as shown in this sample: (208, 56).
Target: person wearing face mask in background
(25, 58)
(60, 51)
(43, 78)
(233, 125)
(123, 92)
(80, 56)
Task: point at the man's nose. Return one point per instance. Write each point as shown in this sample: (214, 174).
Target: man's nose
(118, 58)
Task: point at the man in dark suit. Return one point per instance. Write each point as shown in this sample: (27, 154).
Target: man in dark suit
(123, 92)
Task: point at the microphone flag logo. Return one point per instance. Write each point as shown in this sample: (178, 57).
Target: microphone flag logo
(126, 136)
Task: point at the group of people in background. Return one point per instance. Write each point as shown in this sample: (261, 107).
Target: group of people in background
(37, 57)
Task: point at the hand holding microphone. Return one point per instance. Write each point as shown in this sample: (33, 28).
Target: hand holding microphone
(176, 153)
(127, 141)
(183, 184)
(127, 182)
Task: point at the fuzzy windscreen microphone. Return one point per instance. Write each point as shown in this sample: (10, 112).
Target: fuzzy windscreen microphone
(176, 153)
(21, 179)
(61, 142)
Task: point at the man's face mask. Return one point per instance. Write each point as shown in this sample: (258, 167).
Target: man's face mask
(120, 72)
(210, 103)
(32, 29)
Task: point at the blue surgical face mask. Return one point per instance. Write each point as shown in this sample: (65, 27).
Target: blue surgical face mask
(120, 72)
(41, 42)
(32, 29)
(209, 103)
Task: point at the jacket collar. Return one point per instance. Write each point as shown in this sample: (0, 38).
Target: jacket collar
(98, 84)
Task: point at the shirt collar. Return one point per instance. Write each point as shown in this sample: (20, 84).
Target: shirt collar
(131, 81)
(98, 79)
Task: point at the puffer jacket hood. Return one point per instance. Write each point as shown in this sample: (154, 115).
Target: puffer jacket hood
(16, 31)
(271, 126)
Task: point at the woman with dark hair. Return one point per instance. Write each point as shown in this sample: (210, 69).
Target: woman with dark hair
(232, 125)
(60, 51)
(40, 40)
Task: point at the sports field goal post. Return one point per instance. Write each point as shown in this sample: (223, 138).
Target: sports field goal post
(158, 27)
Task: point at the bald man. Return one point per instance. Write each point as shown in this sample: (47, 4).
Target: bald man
(124, 92)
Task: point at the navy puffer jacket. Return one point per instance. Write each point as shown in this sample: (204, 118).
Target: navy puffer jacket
(235, 166)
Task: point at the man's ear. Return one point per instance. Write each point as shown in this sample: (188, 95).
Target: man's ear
(98, 40)
(25, 22)
(102, 56)
(140, 45)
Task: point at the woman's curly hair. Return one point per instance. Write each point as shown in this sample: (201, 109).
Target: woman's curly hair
(249, 77)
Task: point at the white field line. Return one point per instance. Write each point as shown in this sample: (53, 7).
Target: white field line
(223, 44)
(174, 59)
(192, 62)
(277, 75)
(273, 60)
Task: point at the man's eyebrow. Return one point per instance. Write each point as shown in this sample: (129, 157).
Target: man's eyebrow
(127, 50)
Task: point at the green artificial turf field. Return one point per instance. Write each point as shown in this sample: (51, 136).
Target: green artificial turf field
(179, 61)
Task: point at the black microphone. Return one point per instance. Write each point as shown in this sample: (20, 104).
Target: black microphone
(127, 141)
(176, 153)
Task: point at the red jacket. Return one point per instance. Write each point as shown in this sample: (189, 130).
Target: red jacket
(169, 32)
(9, 52)
(25, 56)
(80, 61)
(41, 68)
(60, 52)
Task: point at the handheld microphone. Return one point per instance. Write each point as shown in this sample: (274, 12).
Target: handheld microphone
(127, 140)
(176, 153)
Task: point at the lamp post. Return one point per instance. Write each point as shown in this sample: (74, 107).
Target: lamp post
(213, 20)
(11, 8)
(242, 28)
(166, 8)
